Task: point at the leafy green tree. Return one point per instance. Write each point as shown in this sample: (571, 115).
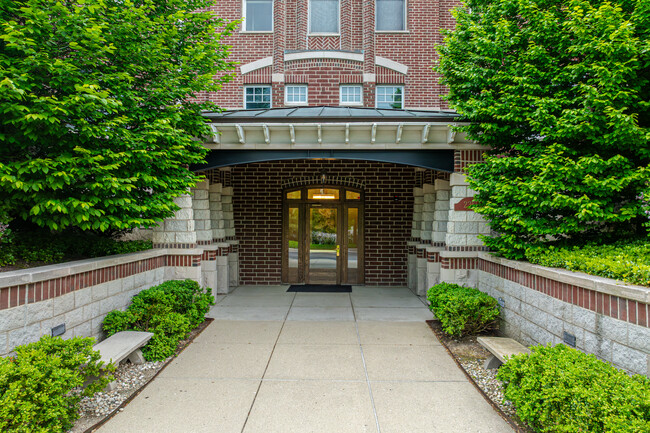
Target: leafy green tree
(98, 109)
(559, 90)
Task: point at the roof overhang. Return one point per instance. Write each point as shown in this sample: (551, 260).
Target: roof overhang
(328, 128)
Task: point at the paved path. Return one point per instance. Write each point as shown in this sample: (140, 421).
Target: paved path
(277, 362)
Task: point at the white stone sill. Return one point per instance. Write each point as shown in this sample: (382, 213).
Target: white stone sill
(44, 273)
(599, 284)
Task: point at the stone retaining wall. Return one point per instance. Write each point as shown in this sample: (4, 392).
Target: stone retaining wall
(608, 318)
(79, 294)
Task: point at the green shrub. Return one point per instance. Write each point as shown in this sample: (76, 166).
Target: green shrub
(559, 389)
(463, 310)
(169, 310)
(626, 260)
(36, 385)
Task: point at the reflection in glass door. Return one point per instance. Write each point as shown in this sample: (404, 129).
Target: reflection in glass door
(293, 231)
(324, 248)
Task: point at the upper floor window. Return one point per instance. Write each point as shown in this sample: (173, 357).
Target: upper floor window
(258, 15)
(257, 97)
(295, 95)
(324, 16)
(390, 97)
(391, 15)
(351, 95)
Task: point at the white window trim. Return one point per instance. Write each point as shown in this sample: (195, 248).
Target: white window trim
(258, 85)
(243, 15)
(391, 85)
(406, 21)
(293, 104)
(309, 32)
(350, 104)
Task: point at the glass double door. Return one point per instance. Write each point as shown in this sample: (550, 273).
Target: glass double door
(323, 243)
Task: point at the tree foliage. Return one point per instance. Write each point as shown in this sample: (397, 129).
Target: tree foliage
(559, 90)
(97, 115)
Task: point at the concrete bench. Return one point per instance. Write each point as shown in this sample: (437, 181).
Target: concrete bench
(120, 346)
(500, 348)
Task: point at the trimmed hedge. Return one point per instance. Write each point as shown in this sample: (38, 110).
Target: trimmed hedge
(559, 389)
(169, 310)
(463, 310)
(36, 386)
(628, 261)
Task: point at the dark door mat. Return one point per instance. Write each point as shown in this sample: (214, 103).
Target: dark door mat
(319, 288)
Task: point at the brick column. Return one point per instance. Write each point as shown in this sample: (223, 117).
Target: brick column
(414, 244)
(201, 210)
(426, 225)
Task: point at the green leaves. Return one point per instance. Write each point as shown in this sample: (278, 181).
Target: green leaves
(559, 90)
(559, 389)
(463, 310)
(99, 110)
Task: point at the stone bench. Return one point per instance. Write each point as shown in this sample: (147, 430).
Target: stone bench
(120, 346)
(500, 348)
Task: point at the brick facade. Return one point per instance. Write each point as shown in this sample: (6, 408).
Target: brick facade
(414, 48)
(257, 206)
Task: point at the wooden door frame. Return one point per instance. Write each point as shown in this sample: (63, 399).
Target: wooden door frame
(342, 204)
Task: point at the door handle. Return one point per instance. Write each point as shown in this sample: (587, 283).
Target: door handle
(338, 250)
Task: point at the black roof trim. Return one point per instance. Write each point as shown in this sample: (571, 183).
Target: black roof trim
(325, 114)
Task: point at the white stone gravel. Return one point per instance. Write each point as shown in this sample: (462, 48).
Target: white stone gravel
(487, 381)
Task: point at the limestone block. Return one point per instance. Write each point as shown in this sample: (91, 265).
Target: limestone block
(474, 240)
(186, 238)
(226, 199)
(417, 209)
(40, 311)
(456, 239)
(218, 233)
(417, 192)
(451, 227)
(458, 215)
(629, 359)
(554, 325)
(466, 227)
(63, 304)
(82, 330)
(439, 237)
(184, 201)
(442, 195)
(429, 198)
(4, 349)
(230, 232)
(201, 204)
(612, 329)
(200, 194)
(139, 280)
(428, 188)
(163, 237)
(228, 215)
(100, 291)
(216, 214)
(418, 200)
(227, 207)
(585, 319)
(215, 188)
(215, 197)
(441, 185)
(227, 190)
(199, 225)
(441, 215)
(597, 345)
(114, 287)
(128, 283)
(201, 214)
(484, 228)
(73, 318)
(83, 297)
(639, 337)
(26, 335)
(429, 207)
(182, 214)
(457, 179)
(459, 192)
(178, 225)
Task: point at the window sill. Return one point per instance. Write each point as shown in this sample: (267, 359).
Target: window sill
(399, 32)
(348, 104)
(257, 32)
(324, 34)
(296, 104)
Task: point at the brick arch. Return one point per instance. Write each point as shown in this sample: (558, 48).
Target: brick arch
(317, 180)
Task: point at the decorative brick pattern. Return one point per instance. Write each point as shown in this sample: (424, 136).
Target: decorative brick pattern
(601, 303)
(414, 48)
(433, 257)
(465, 158)
(458, 263)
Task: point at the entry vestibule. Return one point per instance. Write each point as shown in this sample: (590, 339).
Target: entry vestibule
(323, 240)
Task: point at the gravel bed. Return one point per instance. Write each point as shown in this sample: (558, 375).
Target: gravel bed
(488, 382)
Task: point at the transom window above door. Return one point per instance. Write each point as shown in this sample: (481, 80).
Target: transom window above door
(258, 16)
(257, 97)
(324, 17)
(390, 15)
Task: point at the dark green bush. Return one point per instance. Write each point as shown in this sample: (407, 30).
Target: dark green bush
(36, 385)
(169, 310)
(463, 310)
(626, 260)
(559, 389)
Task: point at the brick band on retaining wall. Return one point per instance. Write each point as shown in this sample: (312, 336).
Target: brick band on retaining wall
(21, 294)
(602, 303)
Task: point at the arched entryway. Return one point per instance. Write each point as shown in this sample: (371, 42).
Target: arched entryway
(323, 235)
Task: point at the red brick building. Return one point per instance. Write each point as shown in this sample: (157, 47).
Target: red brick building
(335, 161)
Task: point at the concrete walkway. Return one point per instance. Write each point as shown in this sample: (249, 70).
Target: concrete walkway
(277, 362)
